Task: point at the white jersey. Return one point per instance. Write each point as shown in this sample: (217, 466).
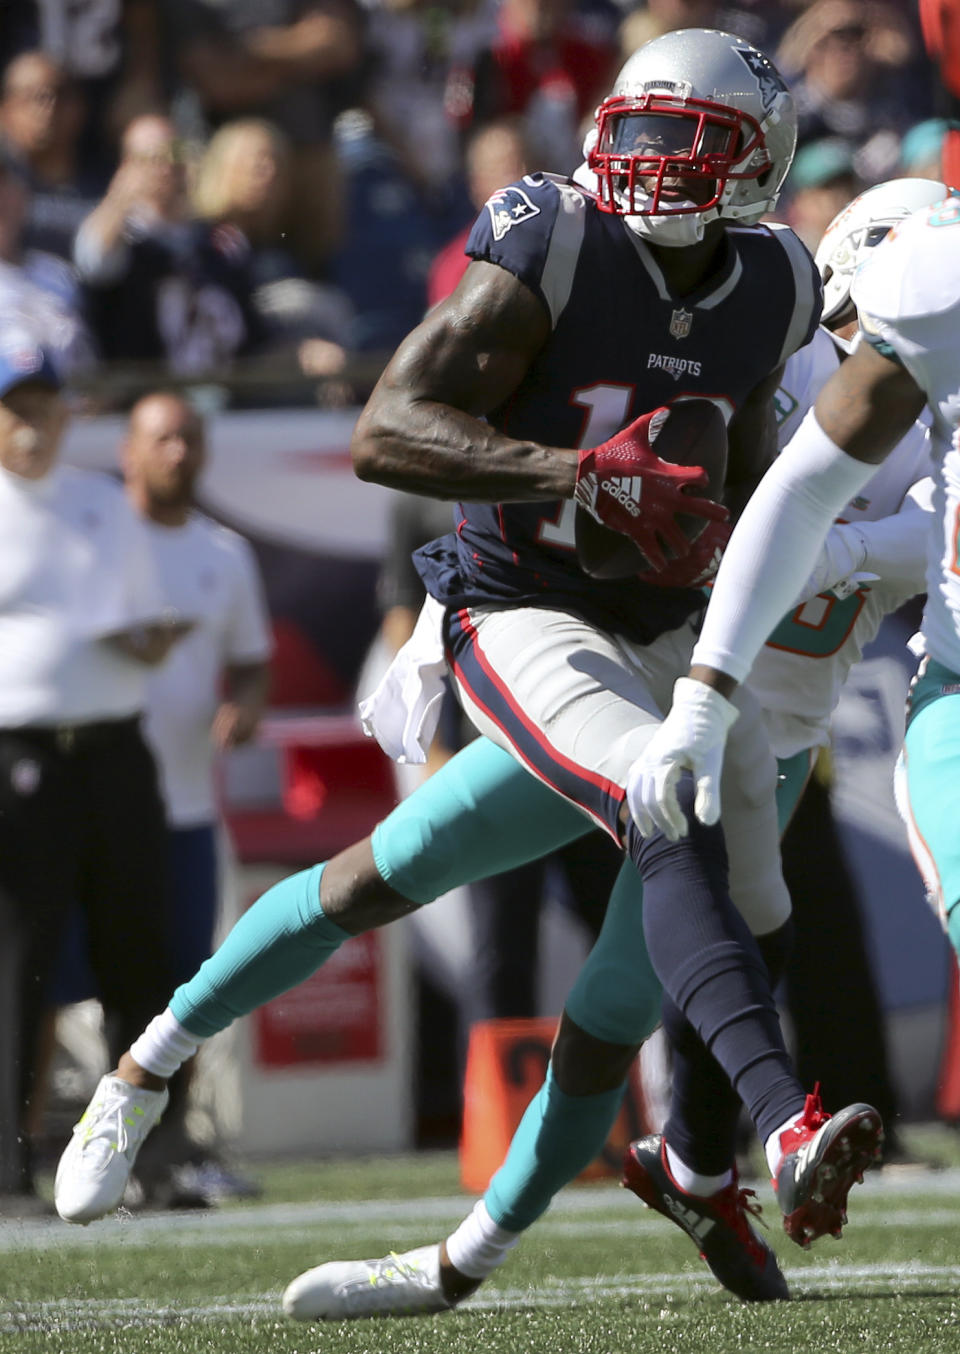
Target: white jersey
(908, 292)
(209, 575)
(798, 674)
(805, 374)
(75, 567)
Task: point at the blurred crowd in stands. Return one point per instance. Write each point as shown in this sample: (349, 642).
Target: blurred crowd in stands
(195, 188)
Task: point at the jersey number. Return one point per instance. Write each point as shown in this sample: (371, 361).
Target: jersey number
(607, 407)
(819, 627)
(81, 34)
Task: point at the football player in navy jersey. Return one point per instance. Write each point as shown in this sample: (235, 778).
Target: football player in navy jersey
(580, 315)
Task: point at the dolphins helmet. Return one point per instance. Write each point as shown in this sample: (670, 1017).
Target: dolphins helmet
(699, 126)
(862, 224)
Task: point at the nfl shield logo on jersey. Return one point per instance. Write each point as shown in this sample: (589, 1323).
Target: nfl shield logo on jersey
(507, 208)
(680, 322)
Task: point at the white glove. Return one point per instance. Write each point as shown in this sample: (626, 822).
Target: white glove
(693, 736)
(839, 567)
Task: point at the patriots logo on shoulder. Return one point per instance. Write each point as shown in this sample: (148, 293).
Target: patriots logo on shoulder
(508, 207)
(771, 86)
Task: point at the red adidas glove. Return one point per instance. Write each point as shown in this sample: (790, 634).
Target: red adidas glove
(698, 565)
(624, 485)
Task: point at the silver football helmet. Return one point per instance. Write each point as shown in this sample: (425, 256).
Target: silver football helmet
(699, 126)
(862, 224)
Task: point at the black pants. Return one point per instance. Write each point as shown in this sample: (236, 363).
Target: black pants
(81, 820)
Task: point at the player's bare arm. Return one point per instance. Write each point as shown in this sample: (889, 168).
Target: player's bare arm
(868, 405)
(423, 428)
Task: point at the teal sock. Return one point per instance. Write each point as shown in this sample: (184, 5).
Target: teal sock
(557, 1138)
(279, 941)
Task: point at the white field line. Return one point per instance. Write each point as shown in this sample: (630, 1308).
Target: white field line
(403, 1233)
(874, 1203)
(73, 1314)
(40, 1234)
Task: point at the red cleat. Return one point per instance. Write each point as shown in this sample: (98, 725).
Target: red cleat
(823, 1156)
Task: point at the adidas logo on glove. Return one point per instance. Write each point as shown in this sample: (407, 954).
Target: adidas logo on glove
(626, 491)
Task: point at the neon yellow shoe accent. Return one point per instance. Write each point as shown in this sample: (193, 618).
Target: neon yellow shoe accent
(95, 1166)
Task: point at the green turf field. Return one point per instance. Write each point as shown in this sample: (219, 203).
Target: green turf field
(599, 1274)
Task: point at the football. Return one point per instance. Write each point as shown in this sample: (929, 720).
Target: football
(693, 433)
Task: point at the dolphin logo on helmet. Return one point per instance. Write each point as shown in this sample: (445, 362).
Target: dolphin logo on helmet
(861, 225)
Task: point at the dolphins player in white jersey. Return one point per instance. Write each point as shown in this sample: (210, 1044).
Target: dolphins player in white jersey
(874, 557)
(908, 296)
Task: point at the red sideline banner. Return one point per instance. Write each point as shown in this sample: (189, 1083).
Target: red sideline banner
(333, 1017)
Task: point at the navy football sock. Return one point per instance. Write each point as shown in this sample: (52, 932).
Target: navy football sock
(704, 1108)
(710, 965)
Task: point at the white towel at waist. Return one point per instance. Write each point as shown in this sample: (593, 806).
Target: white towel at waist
(403, 711)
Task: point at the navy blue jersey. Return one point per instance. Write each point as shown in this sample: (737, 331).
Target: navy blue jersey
(621, 344)
(184, 298)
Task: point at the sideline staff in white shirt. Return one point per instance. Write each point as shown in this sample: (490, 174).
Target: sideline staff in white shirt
(209, 574)
(80, 815)
(208, 696)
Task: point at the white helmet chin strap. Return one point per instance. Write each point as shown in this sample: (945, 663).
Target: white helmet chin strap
(673, 231)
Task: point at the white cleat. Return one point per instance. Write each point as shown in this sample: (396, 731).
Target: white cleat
(343, 1290)
(96, 1164)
